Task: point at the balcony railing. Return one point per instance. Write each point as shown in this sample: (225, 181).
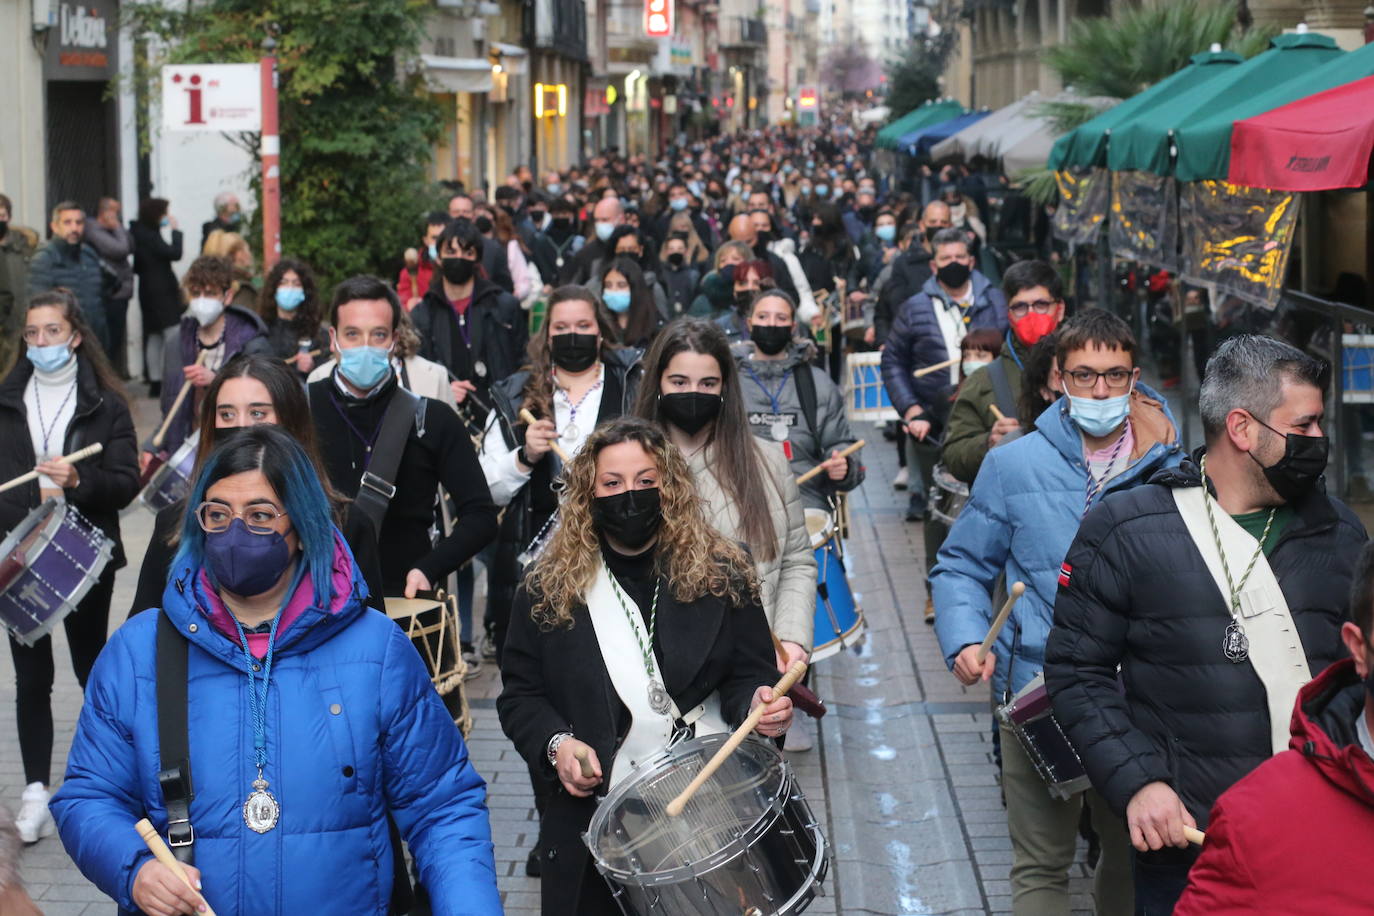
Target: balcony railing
(560, 25)
(743, 32)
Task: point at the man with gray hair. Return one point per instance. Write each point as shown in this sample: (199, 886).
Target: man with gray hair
(228, 216)
(1189, 614)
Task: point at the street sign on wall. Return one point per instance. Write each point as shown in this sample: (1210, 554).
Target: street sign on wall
(658, 18)
(219, 97)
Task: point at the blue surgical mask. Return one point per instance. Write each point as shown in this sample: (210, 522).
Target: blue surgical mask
(822, 189)
(678, 204)
(433, 254)
(617, 300)
(604, 230)
(50, 358)
(365, 367)
(885, 233)
(1098, 418)
(554, 188)
(971, 366)
(289, 298)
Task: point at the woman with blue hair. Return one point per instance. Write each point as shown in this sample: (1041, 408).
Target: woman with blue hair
(310, 718)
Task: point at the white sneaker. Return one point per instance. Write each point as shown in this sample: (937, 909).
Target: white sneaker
(799, 734)
(34, 821)
(902, 479)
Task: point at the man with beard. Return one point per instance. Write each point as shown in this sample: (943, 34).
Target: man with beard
(67, 260)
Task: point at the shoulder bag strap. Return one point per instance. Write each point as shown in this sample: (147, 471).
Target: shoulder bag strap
(174, 739)
(1001, 387)
(379, 479)
(806, 394)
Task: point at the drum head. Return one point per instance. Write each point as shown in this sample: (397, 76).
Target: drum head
(30, 537)
(819, 526)
(632, 837)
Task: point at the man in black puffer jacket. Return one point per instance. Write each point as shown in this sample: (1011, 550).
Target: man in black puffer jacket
(1189, 713)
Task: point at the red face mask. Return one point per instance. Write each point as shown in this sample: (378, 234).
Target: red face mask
(1033, 327)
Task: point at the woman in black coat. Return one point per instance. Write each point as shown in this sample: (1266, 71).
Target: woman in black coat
(250, 390)
(631, 527)
(159, 294)
(62, 395)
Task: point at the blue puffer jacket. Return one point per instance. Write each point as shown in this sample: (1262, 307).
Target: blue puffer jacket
(915, 341)
(354, 730)
(1022, 515)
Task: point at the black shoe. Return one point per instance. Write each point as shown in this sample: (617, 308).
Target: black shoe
(533, 867)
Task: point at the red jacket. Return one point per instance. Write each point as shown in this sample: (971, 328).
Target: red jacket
(406, 290)
(1295, 835)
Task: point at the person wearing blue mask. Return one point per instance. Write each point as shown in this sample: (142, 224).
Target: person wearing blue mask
(290, 305)
(629, 298)
(1107, 433)
(421, 262)
(61, 395)
(350, 407)
(607, 216)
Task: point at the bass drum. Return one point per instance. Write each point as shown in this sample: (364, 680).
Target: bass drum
(745, 844)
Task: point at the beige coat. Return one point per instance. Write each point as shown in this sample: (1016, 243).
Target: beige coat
(788, 582)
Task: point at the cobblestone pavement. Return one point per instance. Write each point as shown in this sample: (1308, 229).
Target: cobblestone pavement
(901, 776)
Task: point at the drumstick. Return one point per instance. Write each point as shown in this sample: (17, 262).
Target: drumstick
(557, 449)
(1002, 615)
(926, 370)
(164, 855)
(996, 414)
(1194, 835)
(312, 353)
(582, 759)
(735, 740)
(176, 405)
(803, 697)
(845, 453)
(88, 451)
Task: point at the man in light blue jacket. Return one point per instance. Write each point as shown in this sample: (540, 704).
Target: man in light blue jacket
(1108, 432)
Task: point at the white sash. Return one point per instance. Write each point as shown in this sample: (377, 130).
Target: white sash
(952, 329)
(1276, 651)
(619, 635)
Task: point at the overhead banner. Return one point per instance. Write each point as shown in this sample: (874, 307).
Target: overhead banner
(1144, 225)
(1238, 239)
(1083, 195)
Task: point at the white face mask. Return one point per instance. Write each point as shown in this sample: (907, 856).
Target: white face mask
(206, 309)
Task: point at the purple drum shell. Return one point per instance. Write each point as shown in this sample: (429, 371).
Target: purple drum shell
(1024, 708)
(62, 565)
(171, 483)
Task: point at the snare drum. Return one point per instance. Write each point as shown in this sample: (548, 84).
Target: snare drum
(171, 483)
(1031, 718)
(745, 844)
(47, 565)
(865, 398)
(433, 627)
(947, 495)
(839, 621)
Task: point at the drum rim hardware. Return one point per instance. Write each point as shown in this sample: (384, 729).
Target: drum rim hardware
(53, 514)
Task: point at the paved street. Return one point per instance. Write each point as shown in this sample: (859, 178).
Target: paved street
(901, 776)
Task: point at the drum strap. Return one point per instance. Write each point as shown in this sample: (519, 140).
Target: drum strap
(173, 739)
(1001, 388)
(378, 485)
(806, 395)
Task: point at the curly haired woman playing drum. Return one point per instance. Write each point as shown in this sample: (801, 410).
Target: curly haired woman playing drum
(638, 623)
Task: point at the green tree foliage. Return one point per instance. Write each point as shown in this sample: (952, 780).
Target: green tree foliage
(356, 126)
(914, 79)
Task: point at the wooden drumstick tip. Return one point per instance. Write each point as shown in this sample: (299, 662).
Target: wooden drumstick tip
(530, 420)
(584, 761)
(153, 840)
(1017, 589)
(996, 413)
(1194, 836)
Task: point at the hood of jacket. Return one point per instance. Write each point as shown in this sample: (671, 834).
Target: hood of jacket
(1323, 730)
(1152, 424)
(191, 604)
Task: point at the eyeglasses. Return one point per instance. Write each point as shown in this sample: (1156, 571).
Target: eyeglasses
(1086, 379)
(1039, 306)
(217, 517)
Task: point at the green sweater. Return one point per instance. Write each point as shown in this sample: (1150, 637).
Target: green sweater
(970, 420)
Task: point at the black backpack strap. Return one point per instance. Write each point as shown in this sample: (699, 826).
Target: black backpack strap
(1001, 388)
(378, 485)
(174, 739)
(806, 394)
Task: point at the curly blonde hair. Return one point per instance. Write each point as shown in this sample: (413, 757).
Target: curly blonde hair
(699, 560)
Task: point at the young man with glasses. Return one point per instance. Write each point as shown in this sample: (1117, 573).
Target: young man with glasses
(1108, 432)
(1035, 307)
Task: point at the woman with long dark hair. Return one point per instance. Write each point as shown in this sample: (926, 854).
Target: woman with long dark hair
(831, 264)
(157, 245)
(692, 389)
(290, 305)
(60, 396)
(636, 560)
(631, 302)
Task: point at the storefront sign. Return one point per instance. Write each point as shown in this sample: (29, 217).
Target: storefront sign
(82, 41)
(219, 97)
(658, 18)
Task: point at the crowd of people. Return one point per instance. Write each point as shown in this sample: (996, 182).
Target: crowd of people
(602, 385)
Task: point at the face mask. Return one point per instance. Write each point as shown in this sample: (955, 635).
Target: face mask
(482, 224)
(574, 352)
(1304, 459)
(678, 204)
(727, 273)
(677, 259)
(617, 300)
(822, 189)
(736, 189)
(604, 230)
(245, 563)
(743, 297)
(554, 188)
(50, 358)
(206, 309)
(771, 339)
(539, 218)
(631, 519)
(1034, 326)
(972, 366)
(866, 213)
(762, 238)
(561, 223)
(4, 227)
(805, 191)
(1098, 418)
(885, 233)
(689, 411)
(433, 254)
(289, 297)
(365, 367)
(457, 270)
(953, 275)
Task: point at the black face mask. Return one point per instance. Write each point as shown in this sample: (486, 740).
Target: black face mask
(4, 227)
(743, 297)
(631, 519)
(561, 223)
(953, 275)
(537, 217)
(689, 411)
(677, 259)
(866, 213)
(574, 352)
(482, 224)
(1304, 459)
(931, 232)
(457, 270)
(771, 339)
(762, 238)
